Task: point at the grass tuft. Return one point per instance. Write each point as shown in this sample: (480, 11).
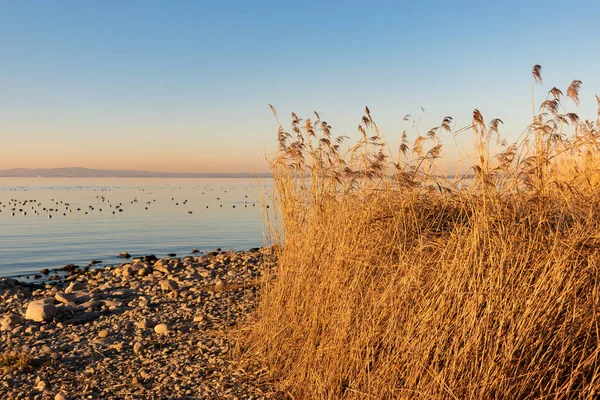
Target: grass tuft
(397, 279)
(12, 362)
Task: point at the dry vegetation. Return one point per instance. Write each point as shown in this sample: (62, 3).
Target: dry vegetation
(13, 362)
(396, 280)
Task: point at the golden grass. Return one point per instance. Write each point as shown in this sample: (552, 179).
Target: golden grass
(396, 280)
(12, 362)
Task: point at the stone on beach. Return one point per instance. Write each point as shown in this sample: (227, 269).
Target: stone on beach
(146, 323)
(69, 267)
(161, 329)
(13, 319)
(74, 286)
(60, 396)
(127, 271)
(65, 298)
(61, 308)
(40, 311)
(162, 267)
(169, 285)
(137, 347)
(89, 304)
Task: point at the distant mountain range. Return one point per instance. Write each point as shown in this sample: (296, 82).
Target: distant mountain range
(116, 173)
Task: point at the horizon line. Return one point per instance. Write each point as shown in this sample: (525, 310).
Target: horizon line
(90, 172)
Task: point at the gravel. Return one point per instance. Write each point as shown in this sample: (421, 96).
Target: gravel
(153, 329)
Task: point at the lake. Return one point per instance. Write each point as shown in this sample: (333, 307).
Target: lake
(98, 218)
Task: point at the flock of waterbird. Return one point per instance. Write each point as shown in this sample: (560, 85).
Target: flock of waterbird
(60, 207)
(21, 206)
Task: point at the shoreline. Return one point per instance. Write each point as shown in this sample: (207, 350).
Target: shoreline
(143, 329)
(55, 275)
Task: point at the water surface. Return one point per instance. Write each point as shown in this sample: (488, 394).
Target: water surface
(159, 216)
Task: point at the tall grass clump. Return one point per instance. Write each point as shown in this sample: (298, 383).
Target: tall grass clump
(396, 279)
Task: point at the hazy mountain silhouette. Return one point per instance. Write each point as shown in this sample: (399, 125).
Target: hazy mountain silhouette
(116, 173)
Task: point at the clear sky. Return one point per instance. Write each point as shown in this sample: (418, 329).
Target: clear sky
(185, 85)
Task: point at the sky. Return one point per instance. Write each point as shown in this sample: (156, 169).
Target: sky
(184, 86)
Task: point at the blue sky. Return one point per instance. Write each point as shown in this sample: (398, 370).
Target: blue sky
(184, 86)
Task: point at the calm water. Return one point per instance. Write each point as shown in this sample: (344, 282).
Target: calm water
(31, 242)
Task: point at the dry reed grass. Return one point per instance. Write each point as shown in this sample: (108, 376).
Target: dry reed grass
(396, 280)
(13, 362)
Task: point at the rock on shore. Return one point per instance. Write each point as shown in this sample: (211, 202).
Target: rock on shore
(145, 329)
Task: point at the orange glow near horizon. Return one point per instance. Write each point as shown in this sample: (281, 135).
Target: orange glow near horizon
(131, 150)
(159, 161)
(140, 162)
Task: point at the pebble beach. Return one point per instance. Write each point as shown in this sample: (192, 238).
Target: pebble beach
(145, 329)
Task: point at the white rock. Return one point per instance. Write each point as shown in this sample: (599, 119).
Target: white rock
(13, 319)
(38, 311)
(198, 318)
(62, 308)
(31, 329)
(64, 298)
(18, 330)
(82, 298)
(89, 304)
(137, 347)
(127, 271)
(123, 292)
(169, 285)
(112, 304)
(145, 323)
(161, 329)
(205, 274)
(74, 286)
(164, 268)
